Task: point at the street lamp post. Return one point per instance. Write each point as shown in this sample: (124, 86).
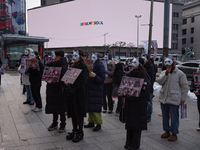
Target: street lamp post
(138, 17)
(105, 41)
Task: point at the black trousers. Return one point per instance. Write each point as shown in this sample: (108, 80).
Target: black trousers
(35, 89)
(119, 104)
(133, 138)
(107, 91)
(24, 89)
(62, 119)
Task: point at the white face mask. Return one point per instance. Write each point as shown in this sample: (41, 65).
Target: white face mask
(32, 55)
(135, 62)
(105, 57)
(94, 57)
(76, 55)
(26, 52)
(168, 61)
(144, 57)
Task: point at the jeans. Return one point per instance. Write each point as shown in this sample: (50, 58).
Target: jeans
(150, 106)
(174, 111)
(29, 94)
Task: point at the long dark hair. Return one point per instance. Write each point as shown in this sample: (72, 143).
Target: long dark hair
(118, 67)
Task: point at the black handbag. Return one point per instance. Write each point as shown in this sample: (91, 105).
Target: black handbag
(122, 113)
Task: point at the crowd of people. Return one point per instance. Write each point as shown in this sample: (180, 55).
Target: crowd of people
(93, 91)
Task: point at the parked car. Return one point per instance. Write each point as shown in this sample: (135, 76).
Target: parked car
(189, 67)
(115, 60)
(123, 60)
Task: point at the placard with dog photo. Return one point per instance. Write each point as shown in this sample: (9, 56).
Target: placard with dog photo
(71, 75)
(32, 63)
(51, 74)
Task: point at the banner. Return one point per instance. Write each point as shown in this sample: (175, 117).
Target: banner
(51, 74)
(131, 86)
(71, 75)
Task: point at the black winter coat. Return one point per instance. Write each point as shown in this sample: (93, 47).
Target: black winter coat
(193, 88)
(118, 77)
(136, 107)
(151, 72)
(34, 74)
(94, 88)
(55, 102)
(77, 103)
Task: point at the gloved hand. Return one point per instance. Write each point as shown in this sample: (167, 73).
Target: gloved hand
(92, 74)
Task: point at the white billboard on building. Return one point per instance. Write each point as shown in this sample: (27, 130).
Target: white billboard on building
(85, 22)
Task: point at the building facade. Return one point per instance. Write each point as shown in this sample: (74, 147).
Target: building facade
(190, 27)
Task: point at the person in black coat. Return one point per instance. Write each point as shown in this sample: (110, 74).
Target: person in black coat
(35, 78)
(151, 72)
(94, 93)
(136, 108)
(118, 74)
(77, 104)
(54, 94)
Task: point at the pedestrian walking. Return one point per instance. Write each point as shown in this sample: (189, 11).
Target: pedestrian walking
(118, 74)
(196, 91)
(151, 72)
(94, 93)
(55, 102)
(108, 86)
(136, 108)
(76, 102)
(173, 93)
(35, 78)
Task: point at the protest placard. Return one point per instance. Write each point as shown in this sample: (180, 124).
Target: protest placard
(32, 63)
(51, 74)
(71, 75)
(1, 71)
(131, 86)
(197, 81)
(23, 64)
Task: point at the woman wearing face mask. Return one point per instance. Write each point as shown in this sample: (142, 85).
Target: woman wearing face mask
(76, 108)
(35, 78)
(136, 108)
(173, 93)
(94, 93)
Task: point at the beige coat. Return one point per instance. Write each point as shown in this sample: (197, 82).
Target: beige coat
(25, 78)
(174, 87)
(110, 72)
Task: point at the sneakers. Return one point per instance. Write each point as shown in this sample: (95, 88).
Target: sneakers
(110, 111)
(26, 102)
(89, 125)
(52, 127)
(166, 135)
(148, 119)
(31, 103)
(172, 138)
(61, 129)
(70, 136)
(97, 128)
(198, 129)
(104, 111)
(77, 137)
(37, 109)
(33, 108)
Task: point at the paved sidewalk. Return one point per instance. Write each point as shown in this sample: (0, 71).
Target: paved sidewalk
(23, 129)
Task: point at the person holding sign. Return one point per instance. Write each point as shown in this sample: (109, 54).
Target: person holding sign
(76, 102)
(54, 94)
(195, 88)
(94, 93)
(173, 93)
(35, 78)
(136, 107)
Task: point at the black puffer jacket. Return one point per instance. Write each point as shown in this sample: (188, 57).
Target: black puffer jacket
(34, 74)
(54, 95)
(136, 107)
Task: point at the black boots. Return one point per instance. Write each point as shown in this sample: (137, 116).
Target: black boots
(97, 128)
(89, 125)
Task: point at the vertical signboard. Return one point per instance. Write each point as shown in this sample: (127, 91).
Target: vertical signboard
(12, 17)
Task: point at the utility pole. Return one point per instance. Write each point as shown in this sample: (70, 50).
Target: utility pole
(138, 17)
(166, 29)
(150, 28)
(105, 41)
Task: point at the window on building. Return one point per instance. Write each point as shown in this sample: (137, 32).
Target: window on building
(192, 30)
(192, 20)
(184, 41)
(174, 46)
(175, 26)
(175, 14)
(184, 31)
(174, 36)
(184, 21)
(192, 39)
